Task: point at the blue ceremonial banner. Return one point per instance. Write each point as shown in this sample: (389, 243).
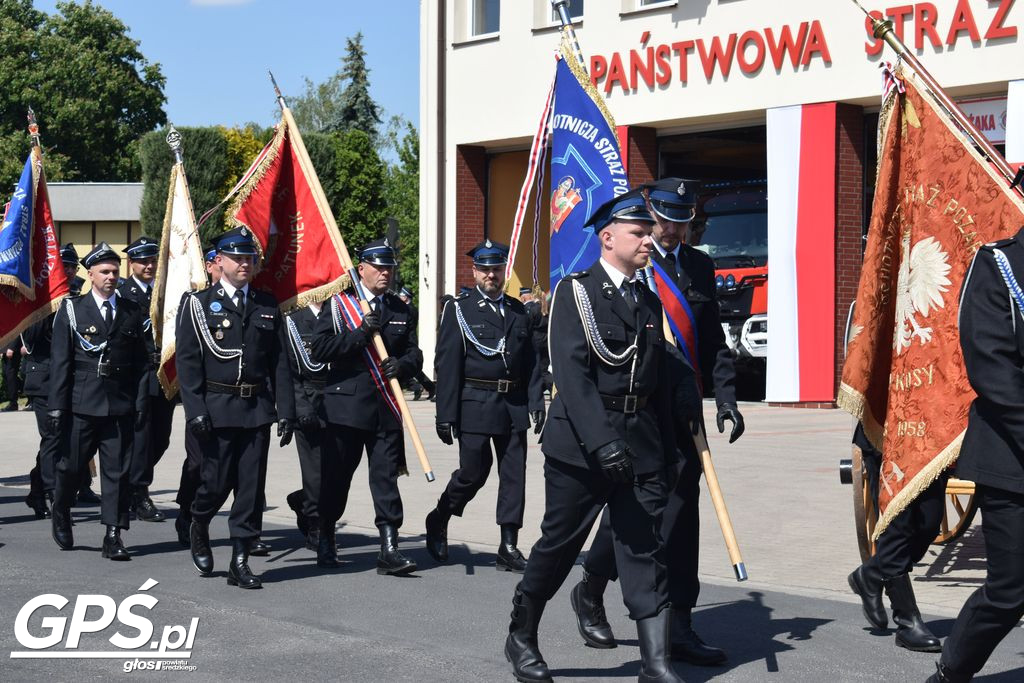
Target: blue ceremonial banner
(586, 169)
(16, 235)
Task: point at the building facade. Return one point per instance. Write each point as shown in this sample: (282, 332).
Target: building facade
(778, 96)
(86, 214)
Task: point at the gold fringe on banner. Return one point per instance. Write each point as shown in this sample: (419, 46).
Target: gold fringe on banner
(32, 319)
(257, 174)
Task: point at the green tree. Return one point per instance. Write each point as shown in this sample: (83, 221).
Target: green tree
(357, 189)
(357, 111)
(319, 106)
(92, 89)
(402, 195)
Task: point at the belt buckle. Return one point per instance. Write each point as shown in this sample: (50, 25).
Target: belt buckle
(504, 386)
(629, 404)
(103, 368)
(245, 390)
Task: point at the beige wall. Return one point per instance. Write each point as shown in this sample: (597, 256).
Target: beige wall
(118, 234)
(505, 175)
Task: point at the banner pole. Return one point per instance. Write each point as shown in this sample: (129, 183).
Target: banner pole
(346, 262)
(562, 8)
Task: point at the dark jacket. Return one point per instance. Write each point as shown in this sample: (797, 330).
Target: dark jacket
(351, 397)
(36, 363)
(75, 380)
(482, 410)
(309, 376)
(578, 422)
(258, 334)
(129, 289)
(992, 339)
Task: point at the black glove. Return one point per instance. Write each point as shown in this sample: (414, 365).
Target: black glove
(284, 430)
(54, 419)
(371, 322)
(141, 418)
(201, 427)
(308, 421)
(447, 432)
(538, 421)
(728, 411)
(389, 366)
(615, 461)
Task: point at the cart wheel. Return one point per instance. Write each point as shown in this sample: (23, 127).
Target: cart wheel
(864, 515)
(959, 512)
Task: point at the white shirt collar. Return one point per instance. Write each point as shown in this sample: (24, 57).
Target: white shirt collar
(501, 297)
(140, 283)
(230, 289)
(315, 307)
(99, 300)
(663, 251)
(617, 276)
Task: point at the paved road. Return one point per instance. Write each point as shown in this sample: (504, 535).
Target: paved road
(793, 621)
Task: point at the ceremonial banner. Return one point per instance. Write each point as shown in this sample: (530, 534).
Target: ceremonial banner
(180, 268)
(936, 202)
(301, 255)
(586, 167)
(32, 280)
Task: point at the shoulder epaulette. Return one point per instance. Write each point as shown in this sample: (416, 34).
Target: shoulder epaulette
(579, 274)
(462, 296)
(999, 244)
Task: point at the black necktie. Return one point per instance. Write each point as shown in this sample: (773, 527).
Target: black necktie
(239, 301)
(629, 294)
(108, 313)
(670, 258)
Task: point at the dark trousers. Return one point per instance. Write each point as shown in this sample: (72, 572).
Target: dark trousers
(996, 607)
(680, 529)
(11, 384)
(151, 442)
(342, 450)
(43, 477)
(86, 434)
(190, 473)
(905, 541)
(233, 460)
(475, 460)
(425, 381)
(309, 443)
(573, 498)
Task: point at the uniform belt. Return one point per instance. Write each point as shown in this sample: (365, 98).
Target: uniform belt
(154, 358)
(318, 384)
(502, 386)
(628, 404)
(101, 368)
(243, 390)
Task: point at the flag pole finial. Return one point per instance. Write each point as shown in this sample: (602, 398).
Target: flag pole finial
(277, 90)
(174, 142)
(561, 7)
(33, 127)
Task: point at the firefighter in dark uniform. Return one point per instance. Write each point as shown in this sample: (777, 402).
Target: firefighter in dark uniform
(154, 436)
(488, 389)
(310, 380)
(608, 440)
(36, 341)
(672, 203)
(232, 371)
(358, 415)
(189, 483)
(992, 340)
(420, 381)
(97, 364)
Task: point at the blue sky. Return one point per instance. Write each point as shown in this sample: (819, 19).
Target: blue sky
(215, 53)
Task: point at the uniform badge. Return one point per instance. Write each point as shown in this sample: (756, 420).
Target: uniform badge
(216, 307)
(219, 334)
(244, 231)
(87, 337)
(92, 328)
(607, 290)
(226, 323)
(488, 244)
(220, 292)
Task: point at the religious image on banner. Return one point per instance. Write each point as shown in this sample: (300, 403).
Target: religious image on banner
(32, 281)
(937, 201)
(586, 167)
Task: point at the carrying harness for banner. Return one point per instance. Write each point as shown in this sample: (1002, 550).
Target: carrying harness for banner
(203, 332)
(346, 313)
(299, 350)
(680, 317)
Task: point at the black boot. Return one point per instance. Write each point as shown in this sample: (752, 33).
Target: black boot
(61, 523)
(866, 582)
(112, 547)
(521, 647)
(687, 645)
(653, 634)
(944, 674)
(327, 549)
(37, 501)
(239, 573)
(587, 599)
(199, 540)
(313, 535)
(509, 557)
(911, 631)
(144, 508)
(181, 524)
(295, 500)
(437, 535)
(258, 548)
(390, 561)
(86, 496)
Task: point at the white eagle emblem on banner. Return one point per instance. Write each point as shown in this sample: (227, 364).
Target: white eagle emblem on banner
(919, 289)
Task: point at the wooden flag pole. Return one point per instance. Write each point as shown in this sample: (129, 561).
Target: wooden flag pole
(346, 261)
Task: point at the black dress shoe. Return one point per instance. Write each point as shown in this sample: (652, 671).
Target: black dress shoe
(313, 537)
(10, 407)
(295, 500)
(113, 549)
(86, 496)
(199, 540)
(867, 584)
(145, 510)
(687, 645)
(37, 502)
(587, 599)
(390, 561)
(181, 525)
(437, 535)
(239, 573)
(944, 674)
(257, 548)
(327, 549)
(62, 534)
(509, 558)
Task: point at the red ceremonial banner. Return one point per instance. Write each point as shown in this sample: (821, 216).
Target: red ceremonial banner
(17, 312)
(937, 200)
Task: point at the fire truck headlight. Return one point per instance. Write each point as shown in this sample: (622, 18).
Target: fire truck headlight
(719, 281)
(730, 281)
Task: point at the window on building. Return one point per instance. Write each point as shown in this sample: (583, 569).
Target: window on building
(485, 17)
(575, 8)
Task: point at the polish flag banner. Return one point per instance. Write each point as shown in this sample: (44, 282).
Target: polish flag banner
(937, 201)
(801, 251)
